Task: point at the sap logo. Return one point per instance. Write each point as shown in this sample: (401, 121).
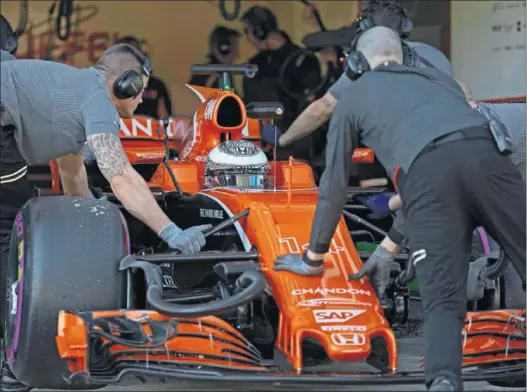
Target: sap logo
(311, 303)
(348, 339)
(336, 315)
(343, 328)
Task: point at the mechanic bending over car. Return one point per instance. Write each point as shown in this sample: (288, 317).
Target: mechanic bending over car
(50, 110)
(451, 179)
(513, 116)
(387, 13)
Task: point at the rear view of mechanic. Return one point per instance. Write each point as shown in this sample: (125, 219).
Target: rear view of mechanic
(156, 101)
(513, 116)
(66, 108)
(451, 178)
(387, 13)
(274, 48)
(224, 48)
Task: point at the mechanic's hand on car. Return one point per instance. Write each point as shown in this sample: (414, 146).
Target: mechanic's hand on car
(188, 241)
(377, 269)
(378, 204)
(270, 134)
(300, 265)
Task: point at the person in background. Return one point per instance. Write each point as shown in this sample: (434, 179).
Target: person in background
(156, 99)
(224, 48)
(273, 48)
(387, 13)
(8, 40)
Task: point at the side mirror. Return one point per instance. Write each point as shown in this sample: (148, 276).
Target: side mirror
(265, 110)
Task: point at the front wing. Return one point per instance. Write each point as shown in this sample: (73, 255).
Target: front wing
(103, 347)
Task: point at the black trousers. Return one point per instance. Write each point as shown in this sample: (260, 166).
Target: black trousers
(452, 187)
(15, 191)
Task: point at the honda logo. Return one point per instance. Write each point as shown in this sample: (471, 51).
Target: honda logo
(336, 315)
(348, 339)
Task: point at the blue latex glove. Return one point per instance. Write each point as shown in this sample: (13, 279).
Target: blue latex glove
(188, 241)
(295, 263)
(377, 204)
(270, 134)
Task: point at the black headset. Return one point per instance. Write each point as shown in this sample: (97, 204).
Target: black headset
(357, 64)
(262, 22)
(130, 83)
(8, 36)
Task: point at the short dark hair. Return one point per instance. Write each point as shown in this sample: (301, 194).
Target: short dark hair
(261, 16)
(130, 40)
(386, 13)
(119, 58)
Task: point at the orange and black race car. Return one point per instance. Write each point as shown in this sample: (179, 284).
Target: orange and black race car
(94, 295)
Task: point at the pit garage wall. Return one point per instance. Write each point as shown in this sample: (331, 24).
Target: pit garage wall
(488, 47)
(175, 33)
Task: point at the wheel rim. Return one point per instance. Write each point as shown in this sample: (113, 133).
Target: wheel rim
(15, 286)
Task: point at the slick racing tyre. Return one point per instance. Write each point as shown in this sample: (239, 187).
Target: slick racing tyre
(65, 255)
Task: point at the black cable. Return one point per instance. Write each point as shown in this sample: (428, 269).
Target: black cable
(65, 13)
(233, 15)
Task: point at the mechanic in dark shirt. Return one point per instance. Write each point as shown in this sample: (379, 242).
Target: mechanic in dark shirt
(389, 13)
(274, 48)
(451, 178)
(156, 99)
(67, 108)
(224, 48)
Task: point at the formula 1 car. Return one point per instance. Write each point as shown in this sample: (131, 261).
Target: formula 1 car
(94, 295)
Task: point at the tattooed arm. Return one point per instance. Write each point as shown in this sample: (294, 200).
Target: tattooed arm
(315, 115)
(128, 186)
(73, 175)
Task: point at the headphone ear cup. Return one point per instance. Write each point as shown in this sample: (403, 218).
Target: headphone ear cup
(128, 85)
(406, 27)
(356, 65)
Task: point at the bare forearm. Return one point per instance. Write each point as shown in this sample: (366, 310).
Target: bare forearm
(75, 184)
(314, 116)
(133, 192)
(390, 246)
